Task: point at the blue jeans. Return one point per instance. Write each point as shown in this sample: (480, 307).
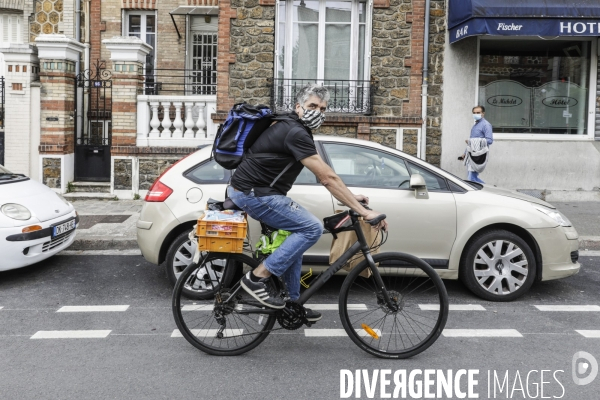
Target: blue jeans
(281, 212)
(474, 176)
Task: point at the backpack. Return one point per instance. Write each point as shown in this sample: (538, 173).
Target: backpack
(244, 124)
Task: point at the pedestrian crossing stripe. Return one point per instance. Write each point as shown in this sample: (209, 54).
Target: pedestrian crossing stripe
(205, 307)
(98, 334)
(568, 308)
(202, 333)
(93, 308)
(335, 307)
(589, 334)
(481, 333)
(336, 332)
(452, 307)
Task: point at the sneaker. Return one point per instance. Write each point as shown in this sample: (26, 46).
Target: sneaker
(312, 316)
(262, 291)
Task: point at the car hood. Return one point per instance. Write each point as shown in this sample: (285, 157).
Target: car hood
(515, 195)
(42, 202)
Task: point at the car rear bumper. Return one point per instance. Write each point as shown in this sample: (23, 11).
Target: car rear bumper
(557, 245)
(26, 249)
(155, 223)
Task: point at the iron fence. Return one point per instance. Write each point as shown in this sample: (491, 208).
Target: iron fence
(346, 96)
(168, 81)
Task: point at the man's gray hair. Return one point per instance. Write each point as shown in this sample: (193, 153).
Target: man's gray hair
(312, 90)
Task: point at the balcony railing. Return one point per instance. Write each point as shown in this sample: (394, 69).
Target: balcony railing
(346, 96)
(175, 121)
(165, 81)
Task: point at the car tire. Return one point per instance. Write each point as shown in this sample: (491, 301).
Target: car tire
(181, 254)
(498, 266)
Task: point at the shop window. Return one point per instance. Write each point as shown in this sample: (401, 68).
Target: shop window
(535, 86)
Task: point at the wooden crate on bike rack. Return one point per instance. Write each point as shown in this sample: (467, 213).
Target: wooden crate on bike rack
(221, 236)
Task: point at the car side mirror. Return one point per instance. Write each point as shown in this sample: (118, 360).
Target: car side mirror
(417, 182)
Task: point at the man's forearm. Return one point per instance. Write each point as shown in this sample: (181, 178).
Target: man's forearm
(337, 188)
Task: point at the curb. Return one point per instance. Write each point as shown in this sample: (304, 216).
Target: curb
(589, 243)
(104, 244)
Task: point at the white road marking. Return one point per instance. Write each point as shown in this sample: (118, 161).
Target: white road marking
(334, 332)
(452, 307)
(205, 307)
(1, 308)
(481, 333)
(70, 335)
(568, 308)
(92, 308)
(130, 252)
(209, 332)
(589, 334)
(326, 307)
(589, 253)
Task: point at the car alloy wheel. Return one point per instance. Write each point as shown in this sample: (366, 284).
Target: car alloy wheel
(180, 255)
(498, 266)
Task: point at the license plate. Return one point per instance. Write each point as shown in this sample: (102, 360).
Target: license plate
(63, 228)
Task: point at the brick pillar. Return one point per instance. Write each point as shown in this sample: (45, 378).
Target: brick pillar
(224, 55)
(21, 64)
(128, 55)
(363, 132)
(57, 55)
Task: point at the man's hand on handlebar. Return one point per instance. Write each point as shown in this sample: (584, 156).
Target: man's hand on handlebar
(382, 225)
(364, 200)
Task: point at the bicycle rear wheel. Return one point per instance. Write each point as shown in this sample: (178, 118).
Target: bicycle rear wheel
(419, 306)
(225, 325)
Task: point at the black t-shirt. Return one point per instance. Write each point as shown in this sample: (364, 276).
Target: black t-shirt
(285, 141)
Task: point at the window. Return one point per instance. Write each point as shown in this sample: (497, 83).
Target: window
(203, 50)
(306, 178)
(10, 27)
(535, 86)
(361, 166)
(142, 24)
(433, 181)
(208, 172)
(319, 39)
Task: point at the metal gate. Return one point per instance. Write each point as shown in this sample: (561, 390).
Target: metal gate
(93, 124)
(204, 63)
(2, 145)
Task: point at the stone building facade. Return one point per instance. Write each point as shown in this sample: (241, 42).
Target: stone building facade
(245, 40)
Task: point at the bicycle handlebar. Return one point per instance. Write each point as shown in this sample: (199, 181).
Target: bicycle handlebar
(377, 219)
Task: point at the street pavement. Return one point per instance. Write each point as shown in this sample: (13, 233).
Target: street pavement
(119, 310)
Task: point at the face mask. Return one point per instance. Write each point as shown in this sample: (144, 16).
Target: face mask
(313, 119)
(476, 117)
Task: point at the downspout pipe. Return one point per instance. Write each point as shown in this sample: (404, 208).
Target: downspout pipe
(78, 31)
(422, 139)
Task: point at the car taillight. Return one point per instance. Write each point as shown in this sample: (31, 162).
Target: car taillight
(158, 192)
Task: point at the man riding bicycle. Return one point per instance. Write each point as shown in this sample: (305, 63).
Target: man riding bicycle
(289, 139)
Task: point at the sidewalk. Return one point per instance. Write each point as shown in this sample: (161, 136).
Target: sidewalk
(110, 225)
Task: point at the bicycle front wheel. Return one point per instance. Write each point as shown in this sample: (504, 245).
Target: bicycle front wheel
(227, 324)
(406, 325)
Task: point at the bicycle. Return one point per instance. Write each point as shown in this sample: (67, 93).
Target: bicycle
(397, 287)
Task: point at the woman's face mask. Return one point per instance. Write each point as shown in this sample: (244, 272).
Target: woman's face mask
(313, 119)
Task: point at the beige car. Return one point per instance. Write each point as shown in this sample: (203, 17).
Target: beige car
(497, 241)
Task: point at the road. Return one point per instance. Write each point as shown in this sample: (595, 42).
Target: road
(134, 356)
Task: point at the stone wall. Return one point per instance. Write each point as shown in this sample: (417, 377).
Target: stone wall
(345, 131)
(252, 42)
(386, 137)
(409, 141)
(51, 172)
(390, 46)
(151, 168)
(437, 38)
(123, 173)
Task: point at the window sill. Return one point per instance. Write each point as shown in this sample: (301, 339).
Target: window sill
(543, 137)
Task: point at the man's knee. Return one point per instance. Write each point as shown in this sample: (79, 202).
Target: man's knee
(315, 230)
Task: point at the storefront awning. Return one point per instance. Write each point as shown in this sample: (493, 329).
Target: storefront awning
(523, 18)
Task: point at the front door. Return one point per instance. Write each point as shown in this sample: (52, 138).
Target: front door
(425, 228)
(93, 128)
(202, 63)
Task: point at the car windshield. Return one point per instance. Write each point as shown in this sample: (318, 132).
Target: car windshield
(6, 175)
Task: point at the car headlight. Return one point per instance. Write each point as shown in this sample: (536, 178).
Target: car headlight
(556, 215)
(15, 211)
